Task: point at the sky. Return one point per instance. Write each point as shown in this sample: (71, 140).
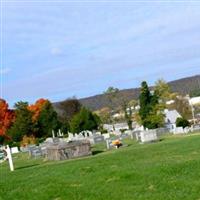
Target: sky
(61, 49)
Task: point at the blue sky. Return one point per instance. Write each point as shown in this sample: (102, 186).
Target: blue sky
(58, 50)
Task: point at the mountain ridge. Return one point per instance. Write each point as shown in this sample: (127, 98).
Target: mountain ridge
(183, 86)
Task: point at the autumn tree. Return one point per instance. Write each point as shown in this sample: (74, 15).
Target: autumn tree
(7, 118)
(162, 89)
(181, 104)
(36, 108)
(104, 114)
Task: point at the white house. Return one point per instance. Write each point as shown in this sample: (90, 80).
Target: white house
(170, 118)
(194, 100)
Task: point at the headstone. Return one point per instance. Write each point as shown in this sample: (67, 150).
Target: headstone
(108, 143)
(24, 149)
(14, 150)
(106, 136)
(96, 139)
(178, 130)
(64, 150)
(147, 136)
(35, 151)
(53, 134)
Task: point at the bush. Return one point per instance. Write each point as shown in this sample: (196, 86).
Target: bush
(182, 122)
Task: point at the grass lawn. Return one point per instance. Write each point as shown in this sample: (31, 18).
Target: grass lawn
(166, 170)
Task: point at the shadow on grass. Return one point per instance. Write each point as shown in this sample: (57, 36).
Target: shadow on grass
(27, 166)
(97, 152)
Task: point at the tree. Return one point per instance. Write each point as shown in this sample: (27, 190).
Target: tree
(111, 90)
(145, 101)
(69, 108)
(36, 108)
(23, 124)
(133, 103)
(151, 115)
(47, 121)
(195, 93)
(84, 120)
(104, 114)
(162, 89)
(182, 122)
(182, 105)
(7, 118)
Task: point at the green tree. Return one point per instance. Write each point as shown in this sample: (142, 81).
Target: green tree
(182, 122)
(84, 120)
(195, 93)
(145, 101)
(23, 124)
(151, 115)
(47, 121)
(111, 90)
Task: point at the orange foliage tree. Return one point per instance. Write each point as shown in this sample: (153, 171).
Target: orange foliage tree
(7, 117)
(36, 108)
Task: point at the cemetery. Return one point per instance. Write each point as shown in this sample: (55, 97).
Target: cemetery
(125, 168)
(76, 153)
(145, 161)
(99, 100)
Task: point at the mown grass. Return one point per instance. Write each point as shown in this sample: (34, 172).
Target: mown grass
(169, 170)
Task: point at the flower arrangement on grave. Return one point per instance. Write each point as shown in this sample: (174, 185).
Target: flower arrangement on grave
(26, 140)
(117, 143)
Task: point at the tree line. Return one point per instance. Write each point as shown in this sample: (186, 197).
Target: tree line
(39, 119)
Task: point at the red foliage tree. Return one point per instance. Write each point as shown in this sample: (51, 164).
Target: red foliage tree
(37, 107)
(7, 117)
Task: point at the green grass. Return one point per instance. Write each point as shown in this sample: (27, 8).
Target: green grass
(169, 170)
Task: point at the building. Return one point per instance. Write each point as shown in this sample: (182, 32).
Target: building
(195, 100)
(170, 118)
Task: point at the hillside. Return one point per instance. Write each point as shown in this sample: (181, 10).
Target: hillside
(183, 86)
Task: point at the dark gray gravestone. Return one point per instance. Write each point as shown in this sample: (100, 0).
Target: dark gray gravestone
(64, 150)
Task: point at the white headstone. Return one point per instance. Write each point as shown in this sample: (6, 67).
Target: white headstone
(53, 134)
(14, 150)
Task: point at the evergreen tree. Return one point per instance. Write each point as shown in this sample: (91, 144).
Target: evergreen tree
(182, 122)
(84, 120)
(23, 124)
(47, 121)
(145, 101)
(151, 115)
